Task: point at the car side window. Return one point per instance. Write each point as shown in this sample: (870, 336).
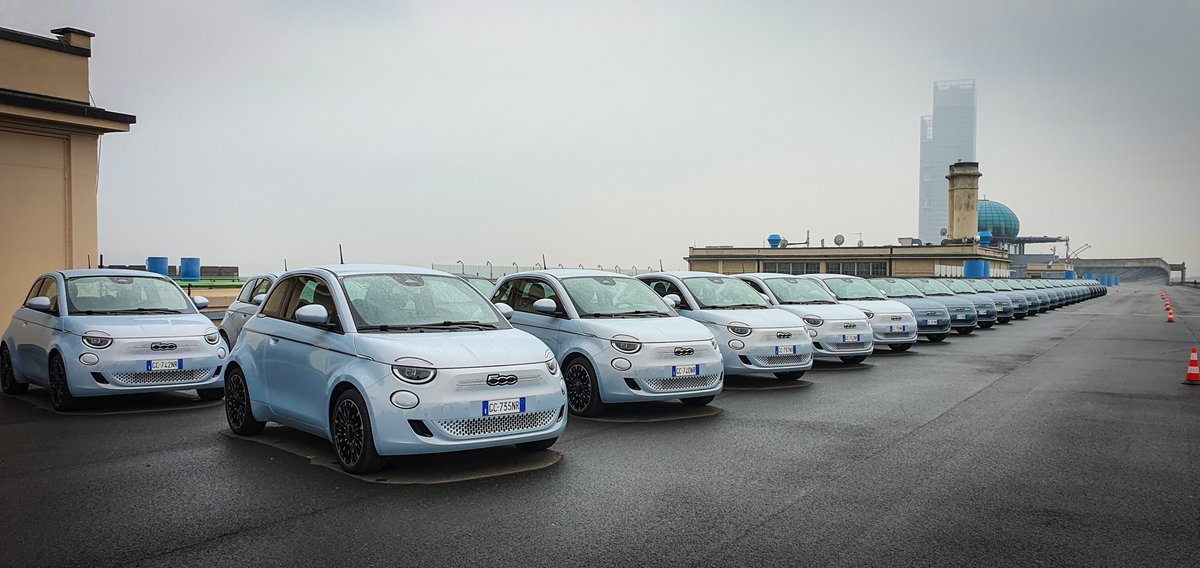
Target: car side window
(280, 297)
(757, 287)
(311, 290)
(504, 292)
(245, 295)
(525, 292)
(33, 290)
(666, 287)
(50, 290)
(263, 285)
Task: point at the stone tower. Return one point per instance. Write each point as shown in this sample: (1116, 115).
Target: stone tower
(964, 200)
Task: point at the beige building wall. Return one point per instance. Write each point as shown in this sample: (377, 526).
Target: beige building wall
(49, 162)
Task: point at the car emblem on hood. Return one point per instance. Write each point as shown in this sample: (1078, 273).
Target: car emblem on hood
(931, 313)
(784, 334)
(684, 351)
(896, 318)
(498, 380)
(161, 346)
(849, 325)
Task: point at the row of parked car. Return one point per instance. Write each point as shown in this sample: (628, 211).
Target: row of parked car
(386, 360)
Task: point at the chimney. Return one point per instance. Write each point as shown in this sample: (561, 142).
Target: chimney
(964, 200)
(74, 37)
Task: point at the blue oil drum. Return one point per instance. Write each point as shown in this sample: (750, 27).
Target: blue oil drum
(189, 269)
(158, 264)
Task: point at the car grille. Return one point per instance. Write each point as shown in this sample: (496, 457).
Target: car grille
(960, 310)
(670, 384)
(492, 425)
(896, 334)
(781, 360)
(163, 377)
(848, 346)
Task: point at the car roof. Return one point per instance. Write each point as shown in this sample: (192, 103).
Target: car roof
(82, 272)
(561, 273)
(688, 274)
(828, 275)
(352, 269)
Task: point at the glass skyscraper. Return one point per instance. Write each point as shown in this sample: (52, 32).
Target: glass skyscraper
(947, 136)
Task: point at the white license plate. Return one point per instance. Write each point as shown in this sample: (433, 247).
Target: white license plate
(685, 370)
(506, 406)
(164, 365)
(785, 350)
(960, 316)
(893, 328)
(851, 338)
(930, 322)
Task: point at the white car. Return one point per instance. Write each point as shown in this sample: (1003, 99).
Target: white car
(837, 330)
(892, 323)
(615, 339)
(245, 306)
(754, 337)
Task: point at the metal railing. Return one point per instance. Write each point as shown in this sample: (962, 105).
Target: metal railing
(494, 271)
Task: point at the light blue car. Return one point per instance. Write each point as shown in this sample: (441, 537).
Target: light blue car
(86, 333)
(616, 339)
(986, 310)
(892, 323)
(933, 317)
(837, 330)
(963, 316)
(245, 305)
(389, 360)
(753, 336)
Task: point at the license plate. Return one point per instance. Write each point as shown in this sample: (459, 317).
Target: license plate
(931, 322)
(785, 350)
(851, 338)
(960, 316)
(893, 328)
(685, 370)
(506, 406)
(164, 365)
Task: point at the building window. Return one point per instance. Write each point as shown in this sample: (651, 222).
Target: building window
(792, 267)
(863, 269)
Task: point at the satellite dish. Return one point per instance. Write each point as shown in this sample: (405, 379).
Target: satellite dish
(860, 243)
(783, 243)
(943, 232)
(838, 240)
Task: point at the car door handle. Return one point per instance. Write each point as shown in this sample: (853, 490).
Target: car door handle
(274, 341)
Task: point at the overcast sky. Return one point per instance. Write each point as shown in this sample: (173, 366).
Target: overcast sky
(622, 132)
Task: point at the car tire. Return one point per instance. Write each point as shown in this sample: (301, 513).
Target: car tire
(211, 394)
(853, 360)
(937, 338)
(583, 394)
(353, 439)
(985, 324)
(789, 376)
(238, 411)
(60, 390)
(1003, 320)
(964, 330)
(900, 346)
(8, 377)
(1019, 316)
(697, 400)
(538, 445)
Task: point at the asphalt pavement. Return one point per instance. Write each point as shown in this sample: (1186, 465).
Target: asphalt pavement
(1062, 440)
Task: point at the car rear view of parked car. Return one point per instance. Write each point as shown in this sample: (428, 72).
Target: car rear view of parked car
(244, 306)
(88, 333)
(389, 360)
(753, 336)
(837, 330)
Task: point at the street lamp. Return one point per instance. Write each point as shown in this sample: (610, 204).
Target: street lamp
(463, 270)
(489, 264)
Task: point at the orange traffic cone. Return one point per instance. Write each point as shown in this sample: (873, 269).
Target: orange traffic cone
(1171, 317)
(1193, 374)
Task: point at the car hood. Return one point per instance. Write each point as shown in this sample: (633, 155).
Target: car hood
(953, 301)
(978, 299)
(141, 327)
(454, 349)
(997, 297)
(920, 304)
(825, 311)
(648, 330)
(761, 319)
(880, 306)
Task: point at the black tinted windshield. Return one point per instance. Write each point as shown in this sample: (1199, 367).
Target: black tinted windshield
(798, 291)
(721, 292)
(125, 295)
(417, 302)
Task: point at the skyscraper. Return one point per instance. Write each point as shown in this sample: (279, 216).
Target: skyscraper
(947, 136)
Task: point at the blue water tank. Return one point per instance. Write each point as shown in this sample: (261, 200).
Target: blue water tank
(189, 269)
(774, 240)
(985, 238)
(158, 264)
(1090, 276)
(976, 269)
(1069, 274)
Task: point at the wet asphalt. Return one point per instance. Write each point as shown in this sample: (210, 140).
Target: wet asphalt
(1062, 440)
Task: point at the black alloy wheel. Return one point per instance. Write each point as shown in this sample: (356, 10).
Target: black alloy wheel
(8, 377)
(583, 396)
(60, 391)
(352, 438)
(237, 405)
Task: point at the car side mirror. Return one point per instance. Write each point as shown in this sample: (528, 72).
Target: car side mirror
(259, 299)
(765, 297)
(313, 314)
(505, 310)
(673, 300)
(40, 303)
(200, 302)
(546, 306)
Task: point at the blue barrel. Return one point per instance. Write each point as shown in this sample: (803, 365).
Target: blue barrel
(189, 269)
(976, 269)
(1090, 276)
(774, 240)
(985, 238)
(158, 264)
(1069, 274)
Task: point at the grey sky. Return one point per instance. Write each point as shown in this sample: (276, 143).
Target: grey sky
(622, 132)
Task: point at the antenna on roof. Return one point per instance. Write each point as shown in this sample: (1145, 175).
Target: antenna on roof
(89, 261)
(101, 265)
(660, 268)
(285, 265)
(341, 258)
(544, 265)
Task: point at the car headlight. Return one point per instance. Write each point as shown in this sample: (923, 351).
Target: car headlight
(814, 321)
(212, 337)
(739, 328)
(415, 375)
(551, 364)
(96, 341)
(713, 341)
(626, 344)
(868, 313)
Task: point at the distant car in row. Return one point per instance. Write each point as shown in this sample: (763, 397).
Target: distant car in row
(837, 330)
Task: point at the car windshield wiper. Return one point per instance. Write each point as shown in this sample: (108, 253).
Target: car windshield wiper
(142, 311)
(861, 298)
(644, 313)
(739, 307)
(811, 302)
(446, 325)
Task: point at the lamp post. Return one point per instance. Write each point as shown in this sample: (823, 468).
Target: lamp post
(463, 269)
(489, 265)
(617, 268)
(538, 265)
(560, 265)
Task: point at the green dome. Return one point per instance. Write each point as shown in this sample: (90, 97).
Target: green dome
(999, 219)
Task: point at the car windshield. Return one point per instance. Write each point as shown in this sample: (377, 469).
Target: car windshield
(1015, 285)
(896, 288)
(981, 286)
(723, 293)
(394, 302)
(932, 287)
(110, 295)
(1000, 285)
(959, 286)
(482, 284)
(798, 291)
(614, 296)
(853, 289)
